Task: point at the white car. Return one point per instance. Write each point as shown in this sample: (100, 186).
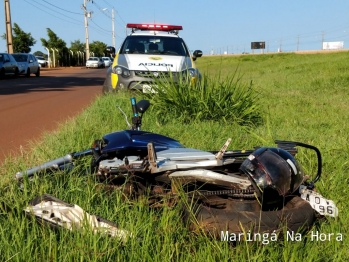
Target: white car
(150, 50)
(8, 65)
(107, 61)
(27, 64)
(42, 61)
(94, 62)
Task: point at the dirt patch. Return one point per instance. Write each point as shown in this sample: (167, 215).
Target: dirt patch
(32, 106)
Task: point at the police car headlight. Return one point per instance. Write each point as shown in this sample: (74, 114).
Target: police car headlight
(190, 72)
(119, 70)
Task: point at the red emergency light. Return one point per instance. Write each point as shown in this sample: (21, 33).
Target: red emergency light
(155, 27)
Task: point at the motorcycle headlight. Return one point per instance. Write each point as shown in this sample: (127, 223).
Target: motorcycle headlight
(122, 71)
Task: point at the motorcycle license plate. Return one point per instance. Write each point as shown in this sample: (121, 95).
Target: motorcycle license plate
(322, 205)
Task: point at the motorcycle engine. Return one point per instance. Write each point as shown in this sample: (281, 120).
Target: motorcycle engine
(116, 166)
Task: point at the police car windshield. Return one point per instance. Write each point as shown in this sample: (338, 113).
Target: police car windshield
(154, 45)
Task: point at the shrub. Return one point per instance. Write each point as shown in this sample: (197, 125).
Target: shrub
(212, 98)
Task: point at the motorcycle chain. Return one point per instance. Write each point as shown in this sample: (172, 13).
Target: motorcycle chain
(241, 193)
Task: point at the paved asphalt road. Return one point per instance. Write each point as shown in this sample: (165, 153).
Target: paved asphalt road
(31, 106)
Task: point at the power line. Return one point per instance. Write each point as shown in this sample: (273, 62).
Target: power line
(101, 10)
(40, 7)
(108, 3)
(94, 2)
(79, 23)
(99, 31)
(107, 13)
(51, 13)
(109, 31)
(121, 18)
(62, 8)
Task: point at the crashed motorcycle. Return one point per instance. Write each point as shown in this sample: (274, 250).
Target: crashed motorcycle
(259, 190)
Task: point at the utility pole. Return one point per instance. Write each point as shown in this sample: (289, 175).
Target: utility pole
(9, 43)
(297, 42)
(322, 40)
(86, 15)
(280, 49)
(112, 26)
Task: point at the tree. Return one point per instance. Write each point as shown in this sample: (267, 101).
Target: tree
(98, 48)
(77, 46)
(55, 42)
(22, 41)
(38, 53)
(75, 58)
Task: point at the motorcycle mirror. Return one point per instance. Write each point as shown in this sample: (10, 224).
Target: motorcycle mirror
(142, 106)
(292, 144)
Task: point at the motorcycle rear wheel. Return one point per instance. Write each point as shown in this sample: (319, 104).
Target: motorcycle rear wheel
(243, 216)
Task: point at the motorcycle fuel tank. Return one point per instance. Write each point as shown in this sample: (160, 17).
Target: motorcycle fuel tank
(135, 142)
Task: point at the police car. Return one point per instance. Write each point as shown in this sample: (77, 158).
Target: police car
(150, 51)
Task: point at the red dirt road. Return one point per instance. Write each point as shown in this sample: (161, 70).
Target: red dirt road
(31, 106)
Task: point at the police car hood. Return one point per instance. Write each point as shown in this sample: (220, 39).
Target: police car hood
(156, 62)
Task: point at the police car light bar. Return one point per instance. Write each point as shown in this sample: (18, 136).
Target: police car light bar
(155, 27)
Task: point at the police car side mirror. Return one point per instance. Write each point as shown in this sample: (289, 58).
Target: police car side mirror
(196, 54)
(110, 50)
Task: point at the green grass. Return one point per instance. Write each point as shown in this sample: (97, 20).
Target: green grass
(301, 97)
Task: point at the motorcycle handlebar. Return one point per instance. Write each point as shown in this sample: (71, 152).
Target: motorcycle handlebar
(134, 106)
(53, 164)
(57, 163)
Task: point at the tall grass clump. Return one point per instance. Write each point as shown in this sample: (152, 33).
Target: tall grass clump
(215, 98)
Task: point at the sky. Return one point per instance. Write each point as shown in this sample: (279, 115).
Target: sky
(215, 27)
